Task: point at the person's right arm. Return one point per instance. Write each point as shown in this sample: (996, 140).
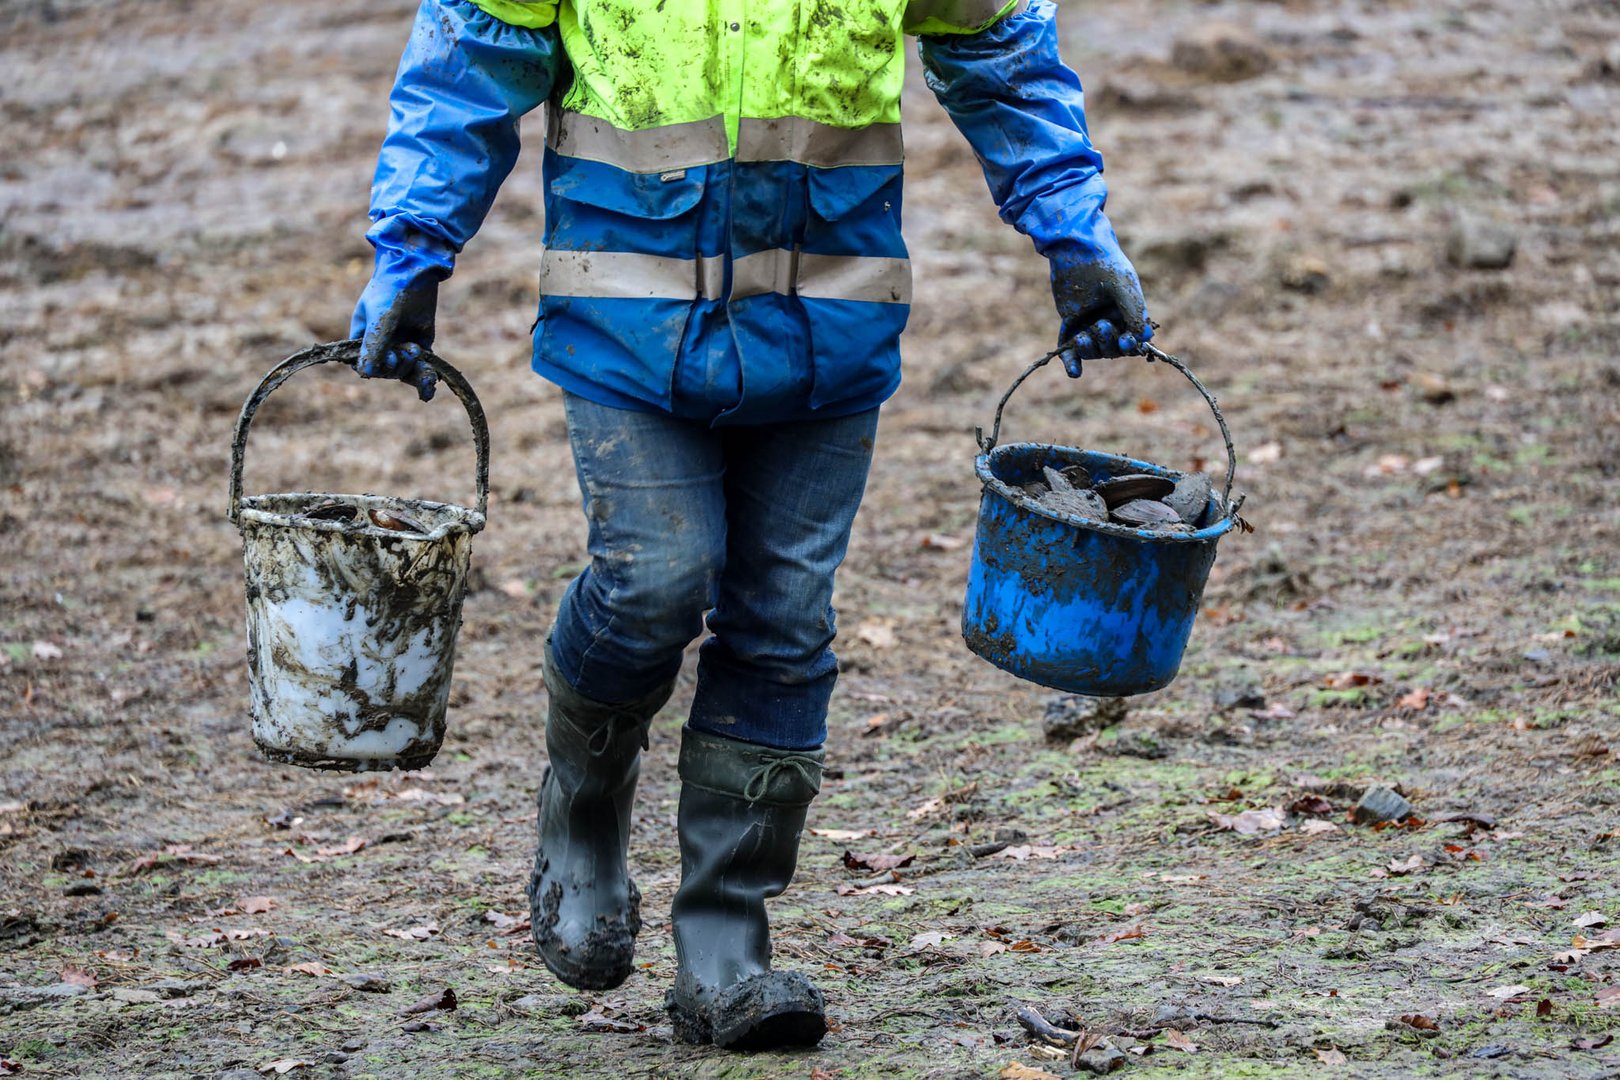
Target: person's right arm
(471, 69)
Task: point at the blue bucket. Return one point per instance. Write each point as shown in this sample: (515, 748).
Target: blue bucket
(1083, 606)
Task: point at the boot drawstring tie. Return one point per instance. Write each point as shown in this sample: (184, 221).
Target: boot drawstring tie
(760, 783)
(603, 738)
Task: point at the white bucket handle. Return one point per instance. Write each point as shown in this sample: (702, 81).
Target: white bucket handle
(347, 352)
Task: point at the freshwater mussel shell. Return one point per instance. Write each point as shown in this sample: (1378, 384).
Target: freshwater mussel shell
(1076, 476)
(384, 519)
(332, 510)
(1134, 486)
(1084, 504)
(1191, 497)
(1146, 514)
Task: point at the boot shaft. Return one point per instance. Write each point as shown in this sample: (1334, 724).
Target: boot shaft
(591, 742)
(742, 811)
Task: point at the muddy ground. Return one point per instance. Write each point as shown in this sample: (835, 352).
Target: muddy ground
(1430, 599)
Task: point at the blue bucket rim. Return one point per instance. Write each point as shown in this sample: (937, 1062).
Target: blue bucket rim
(992, 483)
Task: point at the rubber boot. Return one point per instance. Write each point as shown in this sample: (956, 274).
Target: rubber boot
(584, 909)
(742, 809)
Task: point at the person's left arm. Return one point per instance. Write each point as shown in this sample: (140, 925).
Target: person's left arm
(998, 73)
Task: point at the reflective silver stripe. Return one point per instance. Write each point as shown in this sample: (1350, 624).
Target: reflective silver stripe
(652, 150)
(964, 15)
(793, 138)
(671, 147)
(624, 275)
(764, 272)
(628, 276)
(854, 277)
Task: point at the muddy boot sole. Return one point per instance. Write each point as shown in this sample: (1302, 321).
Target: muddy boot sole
(776, 1010)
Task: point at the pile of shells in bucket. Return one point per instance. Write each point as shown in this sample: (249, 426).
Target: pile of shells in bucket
(1137, 500)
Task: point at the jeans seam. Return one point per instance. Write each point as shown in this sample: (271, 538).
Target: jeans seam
(606, 628)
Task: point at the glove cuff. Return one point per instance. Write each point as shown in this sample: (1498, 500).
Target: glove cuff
(409, 254)
(1069, 218)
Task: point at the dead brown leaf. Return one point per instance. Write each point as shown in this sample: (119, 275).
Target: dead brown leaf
(1402, 867)
(841, 834)
(1130, 933)
(309, 967)
(1250, 822)
(180, 853)
(1331, 1056)
(1421, 1022)
(348, 847)
(1417, 700)
(74, 975)
(598, 1020)
(1177, 1041)
(282, 1066)
(878, 633)
(213, 940)
(876, 863)
(927, 808)
(416, 933)
(1349, 680)
(876, 890)
(1021, 852)
(439, 999)
(1608, 997)
(1609, 939)
(507, 924)
(432, 798)
(1019, 1071)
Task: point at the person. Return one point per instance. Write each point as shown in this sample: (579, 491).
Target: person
(723, 286)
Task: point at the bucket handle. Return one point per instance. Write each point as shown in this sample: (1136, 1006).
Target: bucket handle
(348, 352)
(1150, 354)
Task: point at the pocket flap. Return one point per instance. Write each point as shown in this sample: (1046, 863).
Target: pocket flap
(836, 192)
(658, 196)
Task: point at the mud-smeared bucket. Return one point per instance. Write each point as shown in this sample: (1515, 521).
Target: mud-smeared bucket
(1090, 607)
(353, 604)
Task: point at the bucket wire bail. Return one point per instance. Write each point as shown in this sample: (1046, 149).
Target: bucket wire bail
(1151, 354)
(348, 352)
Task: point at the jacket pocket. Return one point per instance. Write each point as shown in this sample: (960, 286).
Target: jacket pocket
(854, 281)
(620, 274)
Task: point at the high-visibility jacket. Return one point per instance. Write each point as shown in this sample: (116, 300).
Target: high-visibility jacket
(723, 183)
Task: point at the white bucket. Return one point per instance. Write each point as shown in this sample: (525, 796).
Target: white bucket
(352, 625)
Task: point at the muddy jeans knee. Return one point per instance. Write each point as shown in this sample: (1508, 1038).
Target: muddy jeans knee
(766, 674)
(652, 487)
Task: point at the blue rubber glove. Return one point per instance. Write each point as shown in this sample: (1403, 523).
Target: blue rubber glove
(395, 323)
(1023, 112)
(463, 82)
(1099, 300)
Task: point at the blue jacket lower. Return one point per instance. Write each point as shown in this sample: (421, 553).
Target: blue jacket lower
(767, 357)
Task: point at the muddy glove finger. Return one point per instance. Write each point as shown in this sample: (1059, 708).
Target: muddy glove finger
(415, 370)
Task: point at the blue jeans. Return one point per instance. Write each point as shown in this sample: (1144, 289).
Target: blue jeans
(747, 524)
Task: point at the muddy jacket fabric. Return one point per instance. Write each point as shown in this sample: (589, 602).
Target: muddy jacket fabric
(723, 181)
